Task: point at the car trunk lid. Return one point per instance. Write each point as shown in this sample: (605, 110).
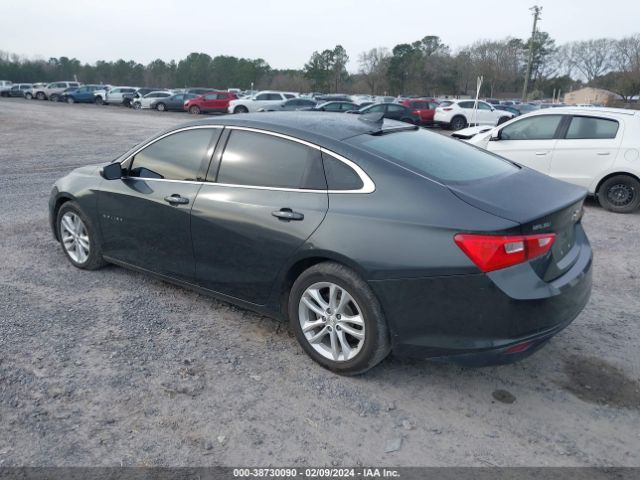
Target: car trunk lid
(540, 204)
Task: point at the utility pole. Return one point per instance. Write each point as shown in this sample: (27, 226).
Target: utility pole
(536, 16)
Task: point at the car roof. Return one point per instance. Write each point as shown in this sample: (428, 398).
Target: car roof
(304, 125)
(594, 111)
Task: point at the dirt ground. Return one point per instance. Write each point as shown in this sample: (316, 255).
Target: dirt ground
(114, 368)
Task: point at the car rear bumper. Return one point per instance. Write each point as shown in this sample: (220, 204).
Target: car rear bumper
(475, 319)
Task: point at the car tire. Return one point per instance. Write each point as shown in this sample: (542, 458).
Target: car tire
(136, 105)
(71, 100)
(458, 122)
(41, 96)
(240, 109)
(194, 110)
(620, 194)
(355, 354)
(54, 98)
(161, 107)
(501, 120)
(99, 100)
(78, 237)
(28, 96)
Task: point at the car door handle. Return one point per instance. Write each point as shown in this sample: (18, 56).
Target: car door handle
(176, 199)
(287, 214)
(541, 154)
(604, 153)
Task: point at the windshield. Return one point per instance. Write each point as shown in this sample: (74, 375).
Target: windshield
(435, 156)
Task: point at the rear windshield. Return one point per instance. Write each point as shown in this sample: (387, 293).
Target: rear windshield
(435, 156)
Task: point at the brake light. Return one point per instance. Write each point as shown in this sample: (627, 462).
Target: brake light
(493, 252)
(416, 112)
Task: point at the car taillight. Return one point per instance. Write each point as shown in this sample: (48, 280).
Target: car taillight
(493, 252)
(416, 112)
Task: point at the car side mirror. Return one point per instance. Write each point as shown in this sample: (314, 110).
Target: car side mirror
(113, 171)
(495, 136)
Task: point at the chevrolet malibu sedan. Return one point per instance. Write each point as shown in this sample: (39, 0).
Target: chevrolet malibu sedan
(367, 235)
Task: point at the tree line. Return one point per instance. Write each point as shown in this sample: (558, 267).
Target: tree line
(424, 67)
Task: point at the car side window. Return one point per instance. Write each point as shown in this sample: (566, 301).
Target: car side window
(484, 106)
(376, 108)
(263, 96)
(345, 107)
(332, 107)
(465, 104)
(289, 95)
(340, 176)
(262, 160)
(395, 108)
(178, 156)
(541, 127)
(591, 128)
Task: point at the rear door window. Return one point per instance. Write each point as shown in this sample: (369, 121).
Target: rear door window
(435, 156)
(591, 128)
(262, 160)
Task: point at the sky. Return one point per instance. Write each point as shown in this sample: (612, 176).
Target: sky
(286, 32)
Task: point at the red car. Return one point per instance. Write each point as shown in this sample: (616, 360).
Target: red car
(424, 108)
(210, 102)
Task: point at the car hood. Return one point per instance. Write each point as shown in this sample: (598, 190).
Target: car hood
(470, 132)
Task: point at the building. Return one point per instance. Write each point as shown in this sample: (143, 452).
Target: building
(590, 95)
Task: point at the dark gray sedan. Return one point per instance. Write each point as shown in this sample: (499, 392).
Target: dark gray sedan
(367, 235)
(173, 103)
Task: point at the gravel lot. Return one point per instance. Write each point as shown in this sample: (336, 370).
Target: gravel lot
(114, 368)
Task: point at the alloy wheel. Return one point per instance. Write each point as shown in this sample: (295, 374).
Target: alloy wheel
(331, 321)
(75, 237)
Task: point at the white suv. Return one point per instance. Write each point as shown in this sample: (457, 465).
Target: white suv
(457, 114)
(596, 148)
(258, 101)
(52, 91)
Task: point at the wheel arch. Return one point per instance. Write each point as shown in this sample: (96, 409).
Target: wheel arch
(60, 200)
(596, 190)
(298, 265)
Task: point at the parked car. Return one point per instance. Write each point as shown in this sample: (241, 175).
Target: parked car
(212, 102)
(336, 107)
(52, 91)
(333, 98)
(173, 103)
(526, 108)
(424, 108)
(289, 105)
(384, 99)
(259, 100)
(29, 94)
(83, 94)
(115, 96)
(392, 111)
(457, 114)
(4, 86)
(595, 148)
(508, 108)
(366, 236)
(17, 90)
(146, 101)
